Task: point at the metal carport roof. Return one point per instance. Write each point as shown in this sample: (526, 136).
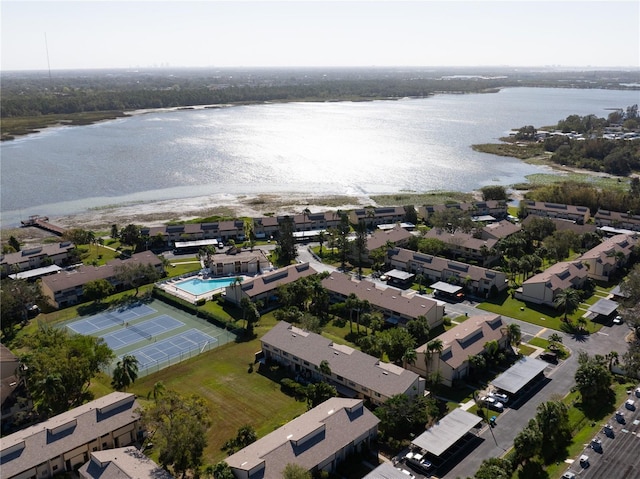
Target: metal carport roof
(604, 307)
(446, 432)
(519, 375)
(446, 287)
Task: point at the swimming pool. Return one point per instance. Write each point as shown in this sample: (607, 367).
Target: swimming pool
(197, 286)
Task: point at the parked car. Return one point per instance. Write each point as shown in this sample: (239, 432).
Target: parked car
(596, 445)
(638, 392)
(417, 462)
(549, 357)
(492, 403)
(569, 475)
(502, 397)
(620, 417)
(584, 461)
(630, 405)
(406, 473)
(617, 320)
(608, 430)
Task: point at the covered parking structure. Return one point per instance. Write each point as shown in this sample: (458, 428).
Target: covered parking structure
(602, 309)
(446, 290)
(400, 279)
(522, 373)
(445, 433)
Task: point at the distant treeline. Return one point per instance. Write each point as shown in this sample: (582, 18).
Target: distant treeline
(34, 94)
(583, 194)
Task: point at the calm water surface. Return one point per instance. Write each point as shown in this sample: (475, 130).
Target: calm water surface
(320, 148)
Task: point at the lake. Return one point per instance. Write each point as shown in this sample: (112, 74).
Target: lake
(346, 148)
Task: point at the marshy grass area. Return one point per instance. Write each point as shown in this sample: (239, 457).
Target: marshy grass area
(24, 125)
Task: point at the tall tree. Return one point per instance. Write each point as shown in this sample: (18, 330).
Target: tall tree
(434, 348)
(360, 244)
(135, 275)
(60, 368)
(552, 419)
(295, 471)
(318, 393)
(286, 248)
(125, 372)
(97, 290)
(14, 243)
(568, 301)
(593, 380)
(180, 425)
(130, 235)
(16, 297)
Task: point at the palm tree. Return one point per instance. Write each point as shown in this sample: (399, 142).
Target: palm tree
(351, 303)
(613, 358)
(513, 332)
(433, 346)
(554, 340)
(409, 357)
(569, 300)
(305, 213)
(325, 368)
(321, 239)
(125, 373)
(157, 391)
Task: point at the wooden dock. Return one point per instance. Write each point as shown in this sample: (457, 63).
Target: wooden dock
(42, 222)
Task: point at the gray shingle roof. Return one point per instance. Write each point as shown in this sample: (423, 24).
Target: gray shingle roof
(34, 445)
(351, 364)
(309, 439)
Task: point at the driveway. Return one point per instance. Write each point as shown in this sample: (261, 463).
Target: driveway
(560, 376)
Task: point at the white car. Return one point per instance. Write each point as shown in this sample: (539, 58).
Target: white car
(630, 405)
(584, 460)
(638, 392)
(406, 473)
(617, 320)
(492, 403)
(501, 397)
(569, 475)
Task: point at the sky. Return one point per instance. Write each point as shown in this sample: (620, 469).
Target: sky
(36, 35)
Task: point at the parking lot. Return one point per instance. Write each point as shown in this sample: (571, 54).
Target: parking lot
(615, 451)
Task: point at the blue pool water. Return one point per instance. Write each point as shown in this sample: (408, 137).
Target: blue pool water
(199, 286)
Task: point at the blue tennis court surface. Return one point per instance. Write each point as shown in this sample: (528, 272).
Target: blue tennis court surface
(109, 318)
(172, 348)
(131, 333)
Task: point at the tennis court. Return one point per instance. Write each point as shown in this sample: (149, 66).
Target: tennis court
(176, 347)
(132, 334)
(109, 318)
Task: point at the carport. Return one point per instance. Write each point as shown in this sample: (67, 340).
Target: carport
(446, 290)
(446, 432)
(401, 279)
(602, 307)
(519, 375)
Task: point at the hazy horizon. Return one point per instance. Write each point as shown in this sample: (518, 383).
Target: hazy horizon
(100, 35)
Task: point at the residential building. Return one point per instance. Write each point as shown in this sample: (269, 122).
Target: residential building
(468, 338)
(122, 463)
(65, 441)
(264, 287)
(477, 280)
(498, 230)
(579, 214)
(378, 216)
(396, 306)
(494, 208)
(617, 220)
(318, 441)
(237, 261)
(467, 246)
(352, 372)
(36, 257)
(13, 391)
(398, 236)
(544, 287)
(563, 225)
(609, 256)
(66, 288)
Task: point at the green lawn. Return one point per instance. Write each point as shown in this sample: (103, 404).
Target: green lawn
(235, 396)
(533, 313)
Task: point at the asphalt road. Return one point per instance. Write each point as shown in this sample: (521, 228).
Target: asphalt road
(560, 380)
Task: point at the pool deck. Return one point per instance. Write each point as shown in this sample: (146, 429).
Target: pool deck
(172, 286)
